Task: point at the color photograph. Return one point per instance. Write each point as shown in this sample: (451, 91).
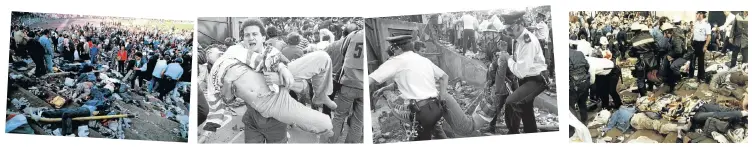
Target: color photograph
(99, 76)
(658, 76)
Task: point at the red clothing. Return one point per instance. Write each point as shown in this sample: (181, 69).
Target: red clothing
(123, 55)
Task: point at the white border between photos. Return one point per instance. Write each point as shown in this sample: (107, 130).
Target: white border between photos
(190, 10)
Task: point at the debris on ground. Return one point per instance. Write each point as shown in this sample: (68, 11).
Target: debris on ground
(71, 102)
(679, 108)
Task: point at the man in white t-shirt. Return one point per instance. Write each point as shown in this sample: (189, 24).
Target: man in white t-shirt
(470, 24)
(415, 76)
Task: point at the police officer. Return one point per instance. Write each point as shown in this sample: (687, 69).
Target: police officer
(526, 63)
(350, 100)
(415, 77)
(700, 41)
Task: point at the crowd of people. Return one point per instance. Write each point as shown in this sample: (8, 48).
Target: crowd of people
(312, 68)
(522, 65)
(106, 59)
(665, 55)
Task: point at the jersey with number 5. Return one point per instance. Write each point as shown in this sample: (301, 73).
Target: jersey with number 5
(352, 75)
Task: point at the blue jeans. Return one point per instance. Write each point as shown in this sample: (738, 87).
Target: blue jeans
(350, 108)
(48, 62)
(152, 84)
(93, 59)
(178, 85)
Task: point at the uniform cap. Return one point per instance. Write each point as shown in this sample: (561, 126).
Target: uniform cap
(399, 40)
(513, 17)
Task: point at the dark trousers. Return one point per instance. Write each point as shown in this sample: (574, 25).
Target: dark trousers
(67, 115)
(608, 83)
(427, 116)
(40, 68)
(578, 100)
(121, 67)
(698, 58)
(468, 40)
(520, 105)
(139, 76)
(714, 110)
(643, 85)
(165, 86)
(735, 54)
(203, 107)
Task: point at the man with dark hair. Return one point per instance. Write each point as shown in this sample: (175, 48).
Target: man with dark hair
(37, 53)
(139, 68)
(292, 51)
(275, 38)
(350, 99)
(259, 127)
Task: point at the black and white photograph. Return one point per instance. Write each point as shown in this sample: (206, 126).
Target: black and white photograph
(99, 76)
(658, 76)
(461, 74)
(280, 80)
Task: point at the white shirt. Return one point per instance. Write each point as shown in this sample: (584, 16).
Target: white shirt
(469, 22)
(159, 68)
(701, 30)
(236, 51)
(728, 24)
(542, 32)
(530, 61)
(415, 75)
(599, 66)
(321, 46)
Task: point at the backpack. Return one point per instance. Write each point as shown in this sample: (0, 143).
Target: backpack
(579, 76)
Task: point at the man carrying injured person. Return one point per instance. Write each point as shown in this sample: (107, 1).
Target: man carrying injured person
(232, 75)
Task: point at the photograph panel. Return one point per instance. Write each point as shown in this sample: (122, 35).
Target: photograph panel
(280, 79)
(99, 76)
(461, 74)
(658, 76)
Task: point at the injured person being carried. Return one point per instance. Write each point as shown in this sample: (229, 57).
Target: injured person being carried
(245, 73)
